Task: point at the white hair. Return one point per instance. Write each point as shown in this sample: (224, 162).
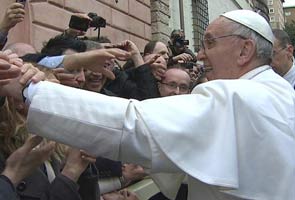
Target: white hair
(263, 46)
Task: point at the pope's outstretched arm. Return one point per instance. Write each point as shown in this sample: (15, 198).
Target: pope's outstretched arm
(101, 125)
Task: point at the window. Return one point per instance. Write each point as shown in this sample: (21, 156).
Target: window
(272, 19)
(270, 2)
(287, 13)
(201, 21)
(271, 10)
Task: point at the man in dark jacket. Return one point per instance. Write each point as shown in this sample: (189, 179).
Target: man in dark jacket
(141, 82)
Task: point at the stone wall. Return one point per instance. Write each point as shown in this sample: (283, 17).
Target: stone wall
(217, 7)
(160, 20)
(289, 14)
(127, 19)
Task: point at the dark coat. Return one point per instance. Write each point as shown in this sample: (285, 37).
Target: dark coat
(37, 186)
(7, 190)
(135, 83)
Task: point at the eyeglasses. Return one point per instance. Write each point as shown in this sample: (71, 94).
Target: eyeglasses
(274, 52)
(208, 43)
(173, 86)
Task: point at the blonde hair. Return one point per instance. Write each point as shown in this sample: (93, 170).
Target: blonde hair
(13, 129)
(13, 132)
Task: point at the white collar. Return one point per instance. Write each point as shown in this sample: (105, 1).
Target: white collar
(251, 74)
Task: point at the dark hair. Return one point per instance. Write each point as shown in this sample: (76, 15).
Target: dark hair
(102, 39)
(149, 47)
(57, 45)
(282, 37)
(91, 45)
(176, 33)
(32, 57)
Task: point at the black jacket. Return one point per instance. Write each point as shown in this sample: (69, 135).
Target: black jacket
(135, 83)
(37, 186)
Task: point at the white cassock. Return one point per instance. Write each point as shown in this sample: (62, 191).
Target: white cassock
(234, 139)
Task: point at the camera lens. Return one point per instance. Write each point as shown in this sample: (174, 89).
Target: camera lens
(97, 21)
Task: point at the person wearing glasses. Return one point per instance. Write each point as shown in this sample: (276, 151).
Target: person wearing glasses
(233, 137)
(176, 81)
(283, 61)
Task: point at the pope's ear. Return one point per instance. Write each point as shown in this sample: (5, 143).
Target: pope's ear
(290, 49)
(247, 51)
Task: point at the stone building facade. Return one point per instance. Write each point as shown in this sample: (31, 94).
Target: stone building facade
(276, 14)
(127, 19)
(289, 14)
(137, 20)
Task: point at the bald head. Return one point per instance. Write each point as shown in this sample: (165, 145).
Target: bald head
(176, 81)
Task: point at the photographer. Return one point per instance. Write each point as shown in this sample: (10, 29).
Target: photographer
(178, 49)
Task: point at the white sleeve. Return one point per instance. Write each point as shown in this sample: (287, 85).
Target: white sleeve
(101, 125)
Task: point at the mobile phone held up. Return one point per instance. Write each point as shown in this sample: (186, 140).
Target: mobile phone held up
(21, 1)
(79, 23)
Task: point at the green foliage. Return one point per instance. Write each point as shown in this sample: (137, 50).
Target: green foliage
(290, 29)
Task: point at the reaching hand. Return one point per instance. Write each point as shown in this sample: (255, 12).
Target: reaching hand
(77, 161)
(151, 58)
(74, 32)
(132, 172)
(31, 73)
(13, 58)
(128, 195)
(26, 159)
(66, 78)
(14, 14)
(185, 57)
(159, 68)
(95, 60)
(7, 70)
(128, 46)
(15, 86)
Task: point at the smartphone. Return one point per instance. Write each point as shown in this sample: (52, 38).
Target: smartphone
(79, 23)
(21, 1)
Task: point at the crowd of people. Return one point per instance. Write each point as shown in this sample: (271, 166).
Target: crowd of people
(85, 118)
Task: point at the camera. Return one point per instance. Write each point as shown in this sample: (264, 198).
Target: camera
(187, 65)
(180, 42)
(97, 21)
(82, 24)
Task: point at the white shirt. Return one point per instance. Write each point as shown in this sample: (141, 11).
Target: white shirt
(52, 62)
(229, 136)
(290, 75)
